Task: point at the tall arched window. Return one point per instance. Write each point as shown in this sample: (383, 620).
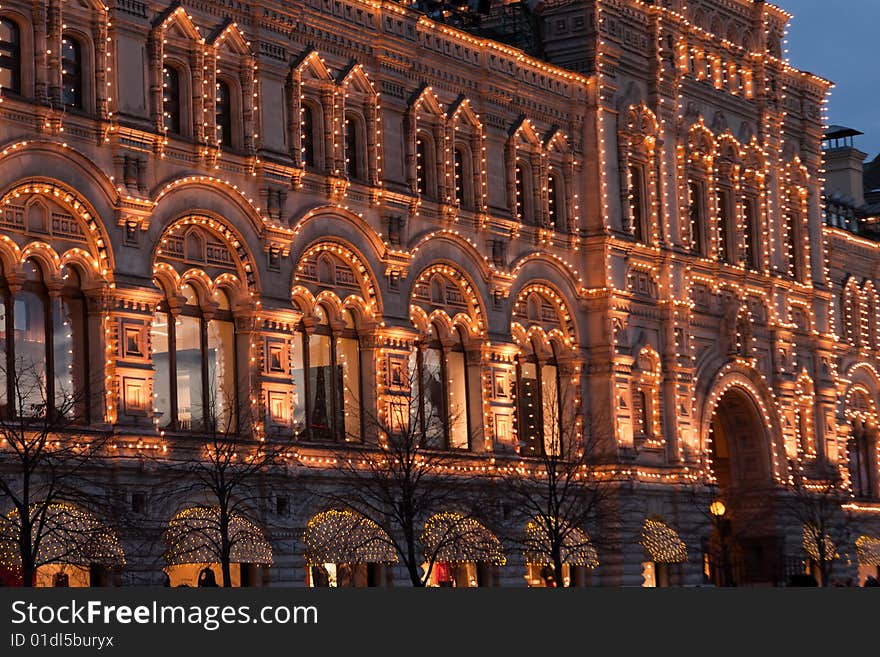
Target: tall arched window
(355, 158)
(726, 242)
(539, 404)
(441, 388)
(194, 361)
(171, 100)
(424, 165)
(307, 135)
(862, 454)
(327, 381)
(463, 178)
(637, 202)
(223, 109)
(555, 207)
(524, 206)
(46, 348)
(752, 234)
(71, 72)
(697, 216)
(10, 56)
(794, 246)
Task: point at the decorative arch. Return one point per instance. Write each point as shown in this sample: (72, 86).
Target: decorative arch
(84, 224)
(540, 305)
(447, 288)
(226, 190)
(335, 265)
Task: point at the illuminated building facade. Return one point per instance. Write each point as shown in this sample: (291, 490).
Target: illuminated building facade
(286, 201)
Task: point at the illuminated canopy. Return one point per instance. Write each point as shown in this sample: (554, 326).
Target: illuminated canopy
(811, 544)
(194, 536)
(453, 537)
(68, 535)
(577, 549)
(662, 543)
(346, 537)
(869, 550)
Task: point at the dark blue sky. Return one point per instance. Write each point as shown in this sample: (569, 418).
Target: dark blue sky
(838, 40)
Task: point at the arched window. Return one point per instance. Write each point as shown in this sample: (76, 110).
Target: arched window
(355, 158)
(171, 100)
(524, 206)
(425, 167)
(10, 56)
(327, 381)
(637, 202)
(195, 364)
(862, 453)
(441, 391)
(726, 242)
(71, 72)
(45, 347)
(555, 206)
(794, 246)
(462, 178)
(223, 111)
(697, 216)
(752, 234)
(307, 135)
(539, 403)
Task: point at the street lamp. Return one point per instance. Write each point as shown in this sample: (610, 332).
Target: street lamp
(718, 511)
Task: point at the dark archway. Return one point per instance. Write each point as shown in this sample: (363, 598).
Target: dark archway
(742, 465)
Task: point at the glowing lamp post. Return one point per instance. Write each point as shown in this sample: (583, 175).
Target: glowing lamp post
(718, 511)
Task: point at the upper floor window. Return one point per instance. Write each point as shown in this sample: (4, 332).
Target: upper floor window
(10, 55)
(424, 165)
(637, 202)
(171, 100)
(462, 178)
(523, 189)
(224, 114)
(355, 158)
(307, 135)
(726, 242)
(752, 234)
(71, 72)
(555, 207)
(697, 217)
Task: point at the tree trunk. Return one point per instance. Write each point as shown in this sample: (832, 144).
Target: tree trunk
(225, 549)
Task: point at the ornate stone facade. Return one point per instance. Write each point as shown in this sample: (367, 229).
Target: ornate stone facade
(639, 215)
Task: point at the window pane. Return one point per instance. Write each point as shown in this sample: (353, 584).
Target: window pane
(553, 200)
(352, 148)
(551, 410)
(69, 344)
(432, 391)
(458, 424)
(189, 373)
(308, 135)
(458, 173)
(421, 167)
(319, 381)
(10, 56)
(528, 407)
(299, 385)
(348, 352)
(30, 352)
(221, 374)
(171, 99)
(224, 115)
(162, 377)
(71, 72)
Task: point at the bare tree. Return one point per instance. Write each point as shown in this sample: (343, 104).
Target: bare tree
(406, 472)
(228, 466)
(46, 454)
(815, 504)
(555, 492)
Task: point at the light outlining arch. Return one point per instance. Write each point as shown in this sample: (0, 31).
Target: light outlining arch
(748, 381)
(227, 190)
(370, 299)
(226, 232)
(82, 210)
(473, 321)
(375, 240)
(563, 267)
(566, 334)
(468, 248)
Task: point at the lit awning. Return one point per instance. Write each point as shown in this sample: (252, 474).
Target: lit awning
(346, 537)
(868, 548)
(453, 537)
(662, 543)
(69, 534)
(811, 544)
(193, 536)
(577, 549)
